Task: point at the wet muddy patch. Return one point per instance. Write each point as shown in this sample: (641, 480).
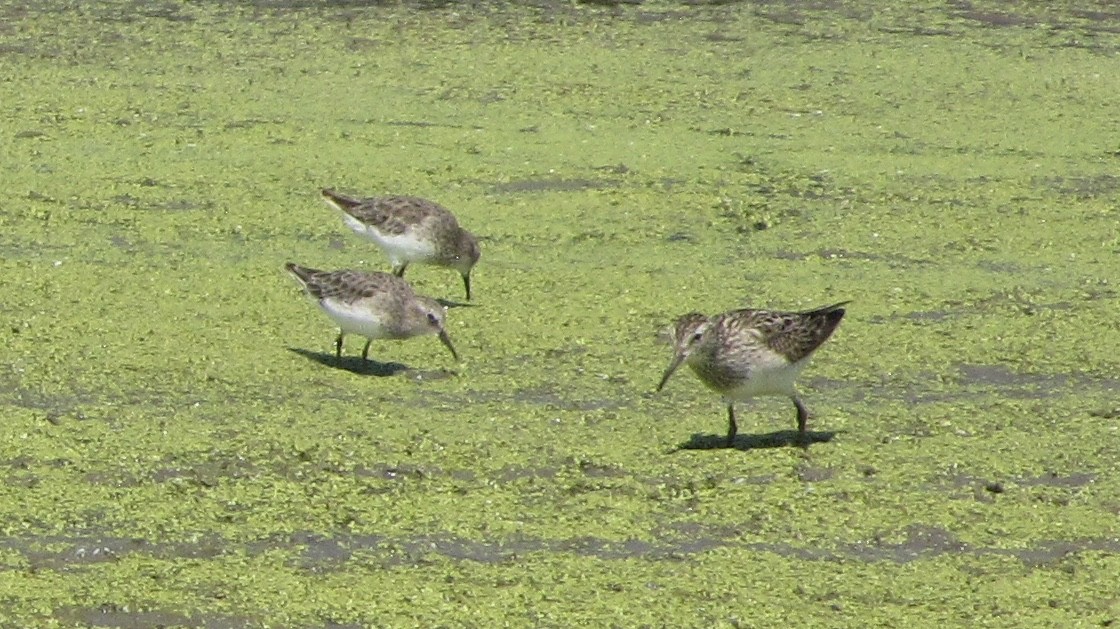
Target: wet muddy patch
(550, 185)
(318, 553)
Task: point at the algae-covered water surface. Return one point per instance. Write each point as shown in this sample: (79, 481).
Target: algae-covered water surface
(179, 446)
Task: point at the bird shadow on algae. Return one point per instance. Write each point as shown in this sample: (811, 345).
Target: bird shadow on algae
(449, 303)
(353, 364)
(777, 439)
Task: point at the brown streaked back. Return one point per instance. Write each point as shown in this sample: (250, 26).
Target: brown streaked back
(347, 286)
(339, 200)
(394, 215)
(794, 335)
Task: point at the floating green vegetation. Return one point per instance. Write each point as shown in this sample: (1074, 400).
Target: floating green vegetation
(180, 448)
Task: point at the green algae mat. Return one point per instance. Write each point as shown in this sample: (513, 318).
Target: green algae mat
(179, 447)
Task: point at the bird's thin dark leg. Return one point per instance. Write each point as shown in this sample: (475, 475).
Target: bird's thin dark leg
(338, 347)
(802, 419)
(365, 350)
(732, 428)
(399, 269)
(467, 284)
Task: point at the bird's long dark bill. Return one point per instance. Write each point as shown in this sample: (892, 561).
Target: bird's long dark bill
(677, 360)
(446, 340)
(467, 285)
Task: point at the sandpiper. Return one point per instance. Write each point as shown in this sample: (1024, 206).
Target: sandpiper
(374, 305)
(410, 229)
(746, 353)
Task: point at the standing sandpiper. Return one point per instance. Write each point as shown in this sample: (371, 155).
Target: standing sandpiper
(746, 353)
(410, 229)
(374, 305)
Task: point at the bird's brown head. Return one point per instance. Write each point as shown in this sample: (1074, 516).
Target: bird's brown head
(687, 333)
(434, 319)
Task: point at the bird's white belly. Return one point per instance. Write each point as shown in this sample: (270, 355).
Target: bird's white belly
(404, 247)
(352, 320)
(767, 379)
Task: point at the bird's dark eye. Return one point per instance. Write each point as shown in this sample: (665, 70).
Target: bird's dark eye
(697, 336)
(432, 319)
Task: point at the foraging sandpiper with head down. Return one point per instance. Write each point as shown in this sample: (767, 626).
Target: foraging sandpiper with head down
(374, 305)
(747, 353)
(410, 230)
